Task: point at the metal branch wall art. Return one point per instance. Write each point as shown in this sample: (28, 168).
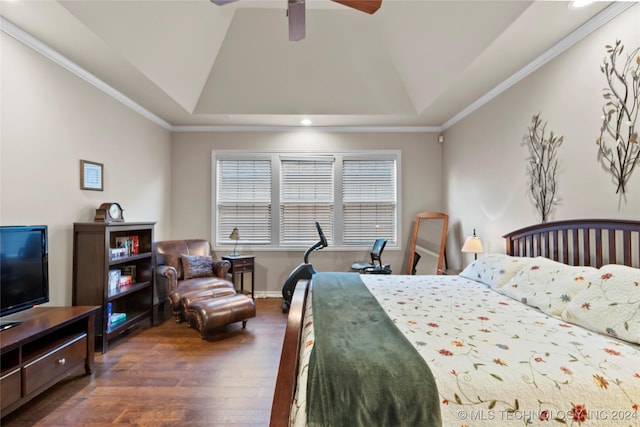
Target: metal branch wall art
(543, 165)
(619, 121)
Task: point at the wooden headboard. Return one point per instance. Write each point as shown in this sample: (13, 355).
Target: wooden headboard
(592, 242)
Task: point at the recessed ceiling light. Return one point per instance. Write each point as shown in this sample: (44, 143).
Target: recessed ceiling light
(305, 122)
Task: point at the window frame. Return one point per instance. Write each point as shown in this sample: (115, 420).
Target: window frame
(274, 156)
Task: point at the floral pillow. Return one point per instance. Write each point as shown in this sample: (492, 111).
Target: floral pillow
(610, 304)
(548, 285)
(196, 266)
(494, 270)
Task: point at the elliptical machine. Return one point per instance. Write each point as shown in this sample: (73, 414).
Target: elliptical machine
(302, 272)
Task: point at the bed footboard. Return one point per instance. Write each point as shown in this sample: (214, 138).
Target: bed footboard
(288, 369)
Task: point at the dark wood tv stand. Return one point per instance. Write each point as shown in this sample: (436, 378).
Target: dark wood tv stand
(48, 344)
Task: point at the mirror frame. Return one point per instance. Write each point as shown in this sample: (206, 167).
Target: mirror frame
(416, 229)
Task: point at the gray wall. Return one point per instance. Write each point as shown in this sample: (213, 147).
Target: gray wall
(485, 161)
(421, 175)
(52, 119)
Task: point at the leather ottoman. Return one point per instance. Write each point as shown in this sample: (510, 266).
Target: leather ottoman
(191, 286)
(208, 314)
(191, 297)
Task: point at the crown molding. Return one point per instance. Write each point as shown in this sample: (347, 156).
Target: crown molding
(587, 28)
(27, 39)
(428, 129)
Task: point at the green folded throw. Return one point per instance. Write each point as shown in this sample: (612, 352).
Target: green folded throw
(362, 370)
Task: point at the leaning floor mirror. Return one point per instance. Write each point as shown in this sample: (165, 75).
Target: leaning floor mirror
(426, 250)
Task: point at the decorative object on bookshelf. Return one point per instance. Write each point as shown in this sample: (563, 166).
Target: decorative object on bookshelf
(91, 176)
(109, 212)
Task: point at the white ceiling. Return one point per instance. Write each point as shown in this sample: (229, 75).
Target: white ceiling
(414, 63)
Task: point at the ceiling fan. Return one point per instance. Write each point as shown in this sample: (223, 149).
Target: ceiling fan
(296, 13)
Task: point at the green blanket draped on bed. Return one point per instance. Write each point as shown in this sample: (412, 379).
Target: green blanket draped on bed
(362, 370)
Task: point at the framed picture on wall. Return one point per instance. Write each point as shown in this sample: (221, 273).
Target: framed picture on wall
(91, 176)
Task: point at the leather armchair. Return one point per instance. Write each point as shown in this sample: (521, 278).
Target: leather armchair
(169, 275)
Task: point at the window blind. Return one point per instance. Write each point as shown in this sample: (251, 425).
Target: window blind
(306, 196)
(243, 200)
(369, 199)
(275, 198)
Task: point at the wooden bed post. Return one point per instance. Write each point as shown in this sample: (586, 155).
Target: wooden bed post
(288, 369)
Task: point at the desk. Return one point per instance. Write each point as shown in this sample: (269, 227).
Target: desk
(242, 264)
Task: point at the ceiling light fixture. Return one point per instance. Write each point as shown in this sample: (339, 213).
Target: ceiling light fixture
(580, 3)
(305, 122)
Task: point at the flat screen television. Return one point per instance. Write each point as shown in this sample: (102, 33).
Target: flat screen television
(24, 269)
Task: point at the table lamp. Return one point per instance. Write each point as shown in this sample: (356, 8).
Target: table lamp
(473, 244)
(235, 236)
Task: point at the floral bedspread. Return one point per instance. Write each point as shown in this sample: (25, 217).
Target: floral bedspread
(497, 361)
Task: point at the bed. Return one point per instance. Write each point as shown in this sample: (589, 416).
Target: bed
(548, 332)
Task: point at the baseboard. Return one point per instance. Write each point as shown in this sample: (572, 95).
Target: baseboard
(268, 294)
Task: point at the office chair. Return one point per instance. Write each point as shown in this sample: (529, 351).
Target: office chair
(375, 266)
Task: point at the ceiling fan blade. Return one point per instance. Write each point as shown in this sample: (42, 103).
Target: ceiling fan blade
(296, 14)
(368, 6)
(221, 2)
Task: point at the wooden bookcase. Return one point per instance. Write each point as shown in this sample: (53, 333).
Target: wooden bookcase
(93, 260)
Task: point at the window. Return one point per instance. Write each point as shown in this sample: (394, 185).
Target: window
(369, 200)
(244, 200)
(275, 198)
(306, 196)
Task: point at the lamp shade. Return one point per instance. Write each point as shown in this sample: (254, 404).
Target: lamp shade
(473, 244)
(235, 234)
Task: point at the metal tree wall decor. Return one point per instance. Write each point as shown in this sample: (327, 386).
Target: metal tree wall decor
(619, 121)
(543, 164)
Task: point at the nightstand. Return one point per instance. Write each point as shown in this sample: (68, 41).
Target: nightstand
(240, 265)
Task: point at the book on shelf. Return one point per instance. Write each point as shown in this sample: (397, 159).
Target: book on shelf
(125, 281)
(109, 311)
(116, 319)
(115, 253)
(129, 270)
(114, 279)
(130, 244)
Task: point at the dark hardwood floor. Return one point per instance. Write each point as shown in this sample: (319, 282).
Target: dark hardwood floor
(167, 375)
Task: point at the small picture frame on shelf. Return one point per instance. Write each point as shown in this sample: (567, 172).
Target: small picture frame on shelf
(91, 176)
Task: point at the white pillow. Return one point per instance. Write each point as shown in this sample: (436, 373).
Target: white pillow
(548, 285)
(494, 270)
(610, 304)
